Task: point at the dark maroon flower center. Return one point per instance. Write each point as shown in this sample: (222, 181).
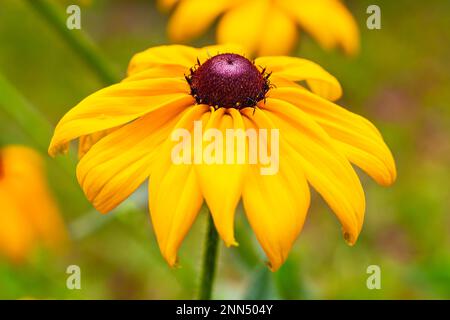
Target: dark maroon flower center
(228, 81)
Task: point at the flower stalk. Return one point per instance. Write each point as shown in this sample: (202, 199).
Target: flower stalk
(77, 40)
(30, 119)
(209, 260)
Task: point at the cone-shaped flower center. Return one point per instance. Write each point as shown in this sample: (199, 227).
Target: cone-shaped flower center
(228, 81)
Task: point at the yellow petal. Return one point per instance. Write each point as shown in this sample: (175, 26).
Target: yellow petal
(278, 26)
(296, 69)
(357, 138)
(119, 163)
(158, 72)
(326, 169)
(86, 142)
(243, 24)
(276, 205)
(328, 21)
(221, 183)
(117, 105)
(191, 18)
(177, 55)
(174, 193)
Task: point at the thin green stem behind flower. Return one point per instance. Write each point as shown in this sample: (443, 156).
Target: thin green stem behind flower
(209, 260)
(77, 40)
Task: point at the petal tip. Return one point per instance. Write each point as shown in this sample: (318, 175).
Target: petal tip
(273, 267)
(172, 261)
(393, 178)
(231, 243)
(55, 149)
(349, 238)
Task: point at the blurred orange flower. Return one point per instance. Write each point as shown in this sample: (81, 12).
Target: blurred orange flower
(28, 213)
(265, 27)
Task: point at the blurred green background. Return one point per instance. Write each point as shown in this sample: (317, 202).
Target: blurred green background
(400, 81)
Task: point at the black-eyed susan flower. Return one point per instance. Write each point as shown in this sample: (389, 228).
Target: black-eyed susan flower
(173, 88)
(29, 216)
(265, 27)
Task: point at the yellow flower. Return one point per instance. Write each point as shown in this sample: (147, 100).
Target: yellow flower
(265, 27)
(176, 87)
(28, 214)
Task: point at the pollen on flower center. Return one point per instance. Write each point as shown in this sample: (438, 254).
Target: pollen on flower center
(228, 81)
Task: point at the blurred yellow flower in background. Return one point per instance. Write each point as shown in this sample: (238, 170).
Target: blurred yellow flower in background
(265, 27)
(171, 87)
(29, 216)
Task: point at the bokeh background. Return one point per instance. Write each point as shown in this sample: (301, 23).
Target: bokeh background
(400, 81)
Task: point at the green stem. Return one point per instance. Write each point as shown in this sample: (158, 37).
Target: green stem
(209, 260)
(29, 119)
(76, 39)
(25, 115)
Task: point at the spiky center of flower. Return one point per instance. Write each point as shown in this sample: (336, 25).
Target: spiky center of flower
(228, 81)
